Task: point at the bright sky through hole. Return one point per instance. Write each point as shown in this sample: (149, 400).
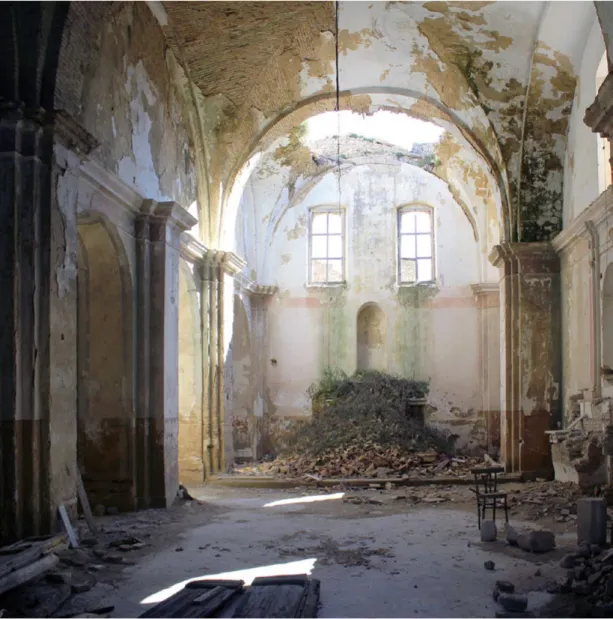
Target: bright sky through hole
(398, 129)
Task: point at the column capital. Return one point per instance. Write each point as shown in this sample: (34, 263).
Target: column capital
(168, 213)
(599, 116)
(485, 288)
(537, 257)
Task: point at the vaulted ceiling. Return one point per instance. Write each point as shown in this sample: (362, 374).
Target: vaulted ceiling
(503, 72)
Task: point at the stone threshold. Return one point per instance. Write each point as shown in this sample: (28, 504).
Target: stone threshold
(257, 481)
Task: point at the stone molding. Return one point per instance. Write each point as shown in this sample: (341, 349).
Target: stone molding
(485, 288)
(526, 254)
(72, 135)
(192, 249)
(599, 116)
(101, 179)
(169, 213)
(597, 213)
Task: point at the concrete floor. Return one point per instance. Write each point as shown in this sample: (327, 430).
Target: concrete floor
(373, 561)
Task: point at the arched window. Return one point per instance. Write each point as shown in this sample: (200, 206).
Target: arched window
(326, 246)
(604, 149)
(415, 245)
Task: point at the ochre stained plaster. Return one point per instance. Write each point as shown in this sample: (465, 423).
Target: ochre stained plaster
(548, 108)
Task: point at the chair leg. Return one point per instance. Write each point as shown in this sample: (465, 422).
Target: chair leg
(506, 510)
(478, 515)
(494, 510)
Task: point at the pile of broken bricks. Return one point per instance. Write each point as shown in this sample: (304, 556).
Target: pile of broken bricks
(589, 574)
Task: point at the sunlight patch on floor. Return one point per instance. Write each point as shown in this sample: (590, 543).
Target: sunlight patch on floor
(306, 499)
(248, 575)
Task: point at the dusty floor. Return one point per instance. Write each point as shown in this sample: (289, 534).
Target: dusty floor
(373, 559)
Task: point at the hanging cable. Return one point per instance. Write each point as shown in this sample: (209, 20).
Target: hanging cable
(338, 112)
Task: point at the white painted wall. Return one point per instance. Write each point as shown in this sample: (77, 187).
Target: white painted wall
(310, 328)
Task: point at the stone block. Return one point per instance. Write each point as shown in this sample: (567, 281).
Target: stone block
(489, 532)
(537, 541)
(513, 602)
(592, 521)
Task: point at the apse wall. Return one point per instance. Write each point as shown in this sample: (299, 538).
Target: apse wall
(433, 333)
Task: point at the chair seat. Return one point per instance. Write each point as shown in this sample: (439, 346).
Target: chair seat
(492, 495)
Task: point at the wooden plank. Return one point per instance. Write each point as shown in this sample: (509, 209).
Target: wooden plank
(277, 597)
(27, 573)
(209, 605)
(87, 511)
(309, 604)
(68, 526)
(25, 557)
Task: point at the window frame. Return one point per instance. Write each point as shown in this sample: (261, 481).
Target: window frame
(415, 208)
(325, 210)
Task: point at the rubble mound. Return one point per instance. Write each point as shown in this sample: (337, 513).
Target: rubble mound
(367, 425)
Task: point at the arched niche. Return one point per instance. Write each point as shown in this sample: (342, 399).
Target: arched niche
(191, 422)
(372, 337)
(243, 383)
(607, 318)
(105, 421)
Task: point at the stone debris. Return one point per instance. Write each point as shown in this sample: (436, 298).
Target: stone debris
(489, 531)
(513, 602)
(489, 565)
(537, 541)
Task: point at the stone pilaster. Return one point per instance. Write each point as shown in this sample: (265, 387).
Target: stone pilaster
(487, 297)
(260, 301)
(37, 313)
(158, 230)
(531, 353)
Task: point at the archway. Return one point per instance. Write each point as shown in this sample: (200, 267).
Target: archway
(191, 429)
(372, 335)
(105, 419)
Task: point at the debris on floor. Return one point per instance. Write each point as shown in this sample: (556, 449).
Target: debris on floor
(367, 425)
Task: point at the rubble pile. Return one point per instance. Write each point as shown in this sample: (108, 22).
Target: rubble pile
(368, 425)
(372, 461)
(589, 575)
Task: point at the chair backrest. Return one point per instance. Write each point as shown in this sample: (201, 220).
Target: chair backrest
(485, 482)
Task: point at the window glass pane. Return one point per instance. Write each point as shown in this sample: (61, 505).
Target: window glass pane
(318, 247)
(423, 222)
(407, 271)
(335, 246)
(335, 270)
(424, 245)
(318, 271)
(407, 222)
(424, 270)
(319, 223)
(335, 223)
(407, 246)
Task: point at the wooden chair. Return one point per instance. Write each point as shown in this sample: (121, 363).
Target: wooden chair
(487, 493)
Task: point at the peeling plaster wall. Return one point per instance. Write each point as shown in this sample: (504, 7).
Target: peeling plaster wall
(191, 418)
(114, 79)
(429, 334)
(581, 164)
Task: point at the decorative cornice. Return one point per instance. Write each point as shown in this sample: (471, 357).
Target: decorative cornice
(102, 179)
(232, 263)
(485, 288)
(596, 212)
(599, 116)
(72, 135)
(506, 251)
(168, 212)
(191, 248)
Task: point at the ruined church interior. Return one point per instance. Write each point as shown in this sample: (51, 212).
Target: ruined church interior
(228, 224)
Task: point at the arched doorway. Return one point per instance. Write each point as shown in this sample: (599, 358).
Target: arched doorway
(372, 336)
(191, 430)
(105, 418)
